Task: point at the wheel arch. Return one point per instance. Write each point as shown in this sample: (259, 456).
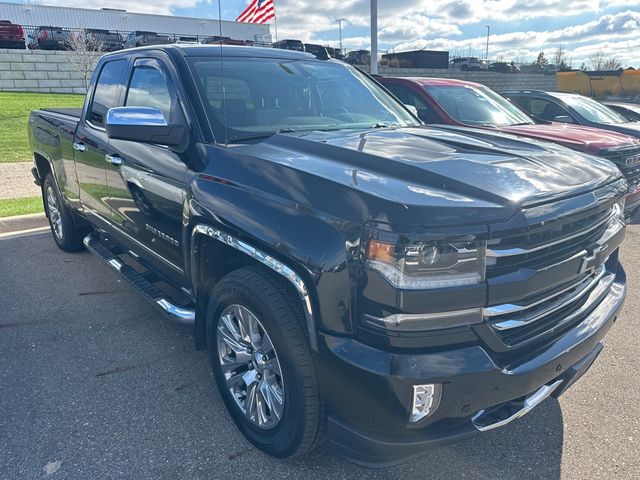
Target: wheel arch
(214, 253)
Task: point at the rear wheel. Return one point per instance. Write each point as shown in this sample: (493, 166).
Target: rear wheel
(65, 232)
(262, 362)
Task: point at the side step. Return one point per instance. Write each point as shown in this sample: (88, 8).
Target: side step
(147, 289)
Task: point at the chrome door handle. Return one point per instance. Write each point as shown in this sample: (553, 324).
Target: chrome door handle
(79, 147)
(113, 160)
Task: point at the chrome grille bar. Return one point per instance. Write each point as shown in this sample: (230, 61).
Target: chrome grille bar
(510, 252)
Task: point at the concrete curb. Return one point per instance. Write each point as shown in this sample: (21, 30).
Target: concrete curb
(23, 224)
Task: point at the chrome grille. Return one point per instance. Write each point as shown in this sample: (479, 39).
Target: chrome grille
(519, 324)
(627, 162)
(546, 244)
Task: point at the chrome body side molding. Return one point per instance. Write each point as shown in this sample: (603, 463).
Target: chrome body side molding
(274, 265)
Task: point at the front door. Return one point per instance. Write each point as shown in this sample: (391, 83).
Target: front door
(91, 143)
(146, 182)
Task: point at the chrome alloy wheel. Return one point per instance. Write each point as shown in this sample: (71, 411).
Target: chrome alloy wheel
(250, 366)
(54, 213)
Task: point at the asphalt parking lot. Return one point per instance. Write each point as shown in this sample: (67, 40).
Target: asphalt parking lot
(96, 384)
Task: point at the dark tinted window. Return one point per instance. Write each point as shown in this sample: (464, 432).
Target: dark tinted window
(409, 97)
(104, 97)
(149, 88)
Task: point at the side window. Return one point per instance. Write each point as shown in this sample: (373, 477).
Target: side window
(106, 90)
(546, 109)
(149, 88)
(408, 97)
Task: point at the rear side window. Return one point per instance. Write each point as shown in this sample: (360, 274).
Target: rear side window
(105, 95)
(149, 88)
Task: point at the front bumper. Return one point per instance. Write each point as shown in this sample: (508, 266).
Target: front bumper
(372, 388)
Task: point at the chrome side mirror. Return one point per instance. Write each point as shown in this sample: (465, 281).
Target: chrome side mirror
(143, 125)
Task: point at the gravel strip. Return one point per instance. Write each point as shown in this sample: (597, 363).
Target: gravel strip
(16, 181)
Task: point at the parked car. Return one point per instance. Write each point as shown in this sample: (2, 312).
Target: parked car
(216, 39)
(50, 38)
(335, 53)
(580, 110)
(467, 64)
(468, 104)
(142, 39)
(358, 57)
(289, 44)
(11, 35)
(350, 270)
(317, 50)
(630, 111)
(502, 67)
(110, 41)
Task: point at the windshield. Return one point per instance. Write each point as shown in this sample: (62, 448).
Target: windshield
(257, 97)
(477, 106)
(591, 110)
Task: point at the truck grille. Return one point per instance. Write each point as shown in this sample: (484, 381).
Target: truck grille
(581, 245)
(629, 164)
(546, 244)
(516, 325)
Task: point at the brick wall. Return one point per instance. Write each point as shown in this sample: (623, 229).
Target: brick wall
(52, 72)
(39, 71)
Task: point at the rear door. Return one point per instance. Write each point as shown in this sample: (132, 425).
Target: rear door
(147, 182)
(91, 143)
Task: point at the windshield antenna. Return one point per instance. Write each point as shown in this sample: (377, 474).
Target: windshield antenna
(224, 93)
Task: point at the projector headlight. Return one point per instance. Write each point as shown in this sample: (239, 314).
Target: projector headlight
(427, 265)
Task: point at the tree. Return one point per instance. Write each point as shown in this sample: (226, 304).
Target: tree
(599, 61)
(561, 59)
(541, 61)
(85, 49)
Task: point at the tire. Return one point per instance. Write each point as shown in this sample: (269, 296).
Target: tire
(65, 232)
(300, 424)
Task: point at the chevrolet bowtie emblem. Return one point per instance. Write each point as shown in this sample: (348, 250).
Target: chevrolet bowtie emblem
(593, 259)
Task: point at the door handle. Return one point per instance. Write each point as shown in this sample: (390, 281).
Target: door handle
(79, 147)
(114, 160)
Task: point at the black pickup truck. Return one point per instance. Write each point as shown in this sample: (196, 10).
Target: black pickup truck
(354, 274)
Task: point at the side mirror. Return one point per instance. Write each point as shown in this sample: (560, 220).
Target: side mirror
(563, 119)
(412, 109)
(144, 125)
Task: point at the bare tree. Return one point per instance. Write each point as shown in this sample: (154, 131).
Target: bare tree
(561, 59)
(85, 49)
(612, 63)
(599, 61)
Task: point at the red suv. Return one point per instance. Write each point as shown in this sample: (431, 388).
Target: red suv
(468, 104)
(11, 35)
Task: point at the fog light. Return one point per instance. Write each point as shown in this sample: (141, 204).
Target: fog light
(425, 400)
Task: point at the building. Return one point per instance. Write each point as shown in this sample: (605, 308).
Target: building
(31, 16)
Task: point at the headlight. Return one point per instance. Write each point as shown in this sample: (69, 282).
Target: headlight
(427, 265)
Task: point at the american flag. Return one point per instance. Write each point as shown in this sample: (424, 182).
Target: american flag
(258, 11)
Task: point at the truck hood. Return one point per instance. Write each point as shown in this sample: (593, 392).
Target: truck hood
(577, 137)
(428, 168)
(631, 128)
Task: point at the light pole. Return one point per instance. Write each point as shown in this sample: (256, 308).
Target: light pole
(339, 22)
(374, 37)
(486, 53)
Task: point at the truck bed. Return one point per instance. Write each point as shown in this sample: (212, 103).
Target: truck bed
(71, 112)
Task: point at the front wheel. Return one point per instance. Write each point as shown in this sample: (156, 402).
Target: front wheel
(262, 362)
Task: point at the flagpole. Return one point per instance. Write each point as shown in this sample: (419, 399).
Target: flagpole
(275, 19)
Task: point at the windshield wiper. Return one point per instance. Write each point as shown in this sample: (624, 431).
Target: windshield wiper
(259, 136)
(383, 125)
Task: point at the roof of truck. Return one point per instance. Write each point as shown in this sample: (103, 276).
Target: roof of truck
(191, 50)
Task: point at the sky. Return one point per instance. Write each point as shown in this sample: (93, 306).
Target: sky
(519, 30)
